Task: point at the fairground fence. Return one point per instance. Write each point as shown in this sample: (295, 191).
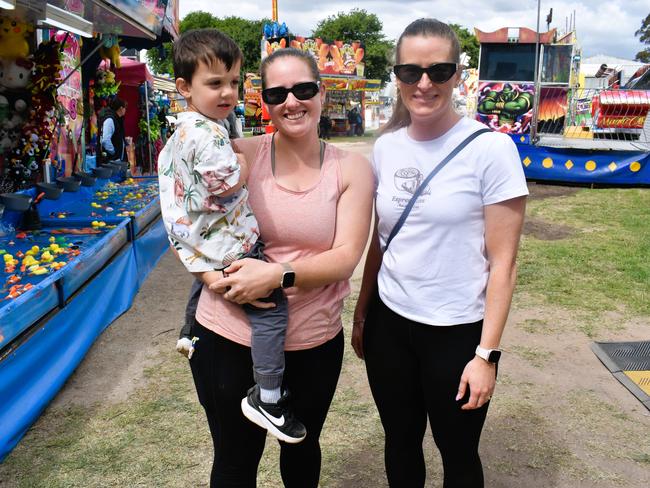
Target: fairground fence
(597, 118)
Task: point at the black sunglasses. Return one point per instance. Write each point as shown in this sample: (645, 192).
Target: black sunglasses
(278, 94)
(437, 72)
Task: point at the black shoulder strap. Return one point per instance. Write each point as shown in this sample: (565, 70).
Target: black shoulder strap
(426, 181)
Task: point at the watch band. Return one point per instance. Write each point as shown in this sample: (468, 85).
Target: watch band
(489, 355)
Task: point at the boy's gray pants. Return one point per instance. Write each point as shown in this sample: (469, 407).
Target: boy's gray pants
(268, 329)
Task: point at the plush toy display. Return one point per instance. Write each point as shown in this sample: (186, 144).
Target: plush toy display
(42, 117)
(13, 38)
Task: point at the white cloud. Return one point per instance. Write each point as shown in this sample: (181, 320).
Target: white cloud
(603, 26)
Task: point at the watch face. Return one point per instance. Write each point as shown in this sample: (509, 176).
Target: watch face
(494, 356)
(288, 278)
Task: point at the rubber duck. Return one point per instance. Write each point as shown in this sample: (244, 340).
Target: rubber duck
(33, 251)
(46, 257)
(29, 261)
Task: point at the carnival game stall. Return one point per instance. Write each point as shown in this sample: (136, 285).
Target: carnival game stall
(563, 132)
(75, 247)
(71, 266)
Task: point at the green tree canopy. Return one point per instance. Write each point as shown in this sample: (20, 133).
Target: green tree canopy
(359, 25)
(468, 44)
(246, 33)
(644, 37)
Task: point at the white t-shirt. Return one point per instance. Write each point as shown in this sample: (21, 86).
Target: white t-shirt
(435, 270)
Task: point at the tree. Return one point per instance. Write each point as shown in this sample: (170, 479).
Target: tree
(359, 25)
(644, 37)
(468, 44)
(246, 33)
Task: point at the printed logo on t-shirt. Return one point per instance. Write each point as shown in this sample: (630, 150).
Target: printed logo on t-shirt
(409, 179)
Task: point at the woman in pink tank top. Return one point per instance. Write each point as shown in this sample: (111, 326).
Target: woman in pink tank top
(313, 205)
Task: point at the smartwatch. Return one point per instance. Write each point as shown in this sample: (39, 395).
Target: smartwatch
(288, 276)
(490, 355)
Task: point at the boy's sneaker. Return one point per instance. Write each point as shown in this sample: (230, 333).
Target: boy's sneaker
(276, 418)
(185, 346)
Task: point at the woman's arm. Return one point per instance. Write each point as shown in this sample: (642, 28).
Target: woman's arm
(503, 224)
(368, 286)
(251, 279)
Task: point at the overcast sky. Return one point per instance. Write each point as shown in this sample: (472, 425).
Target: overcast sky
(603, 26)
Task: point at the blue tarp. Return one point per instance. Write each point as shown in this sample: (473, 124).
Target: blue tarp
(32, 374)
(149, 247)
(621, 168)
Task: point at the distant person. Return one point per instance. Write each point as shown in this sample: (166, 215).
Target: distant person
(111, 126)
(232, 124)
(434, 300)
(325, 126)
(353, 121)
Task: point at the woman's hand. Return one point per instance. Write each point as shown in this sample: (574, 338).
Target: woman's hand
(357, 337)
(247, 280)
(480, 377)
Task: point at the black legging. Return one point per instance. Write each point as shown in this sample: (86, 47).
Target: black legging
(223, 372)
(414, 370)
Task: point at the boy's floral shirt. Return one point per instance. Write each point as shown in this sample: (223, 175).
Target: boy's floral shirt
(196, 165)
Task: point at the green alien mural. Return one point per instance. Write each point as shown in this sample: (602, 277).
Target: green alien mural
(506, 107)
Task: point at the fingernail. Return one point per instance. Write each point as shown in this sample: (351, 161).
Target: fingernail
(458, 396)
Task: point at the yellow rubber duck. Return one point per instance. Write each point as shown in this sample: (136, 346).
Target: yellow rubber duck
(46, 257)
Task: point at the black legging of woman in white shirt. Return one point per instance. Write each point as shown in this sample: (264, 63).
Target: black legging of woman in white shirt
(413, 371)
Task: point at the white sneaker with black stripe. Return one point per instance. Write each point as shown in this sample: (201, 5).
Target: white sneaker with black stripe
(276, 418)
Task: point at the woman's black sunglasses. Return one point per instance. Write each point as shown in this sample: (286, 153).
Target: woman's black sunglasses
(278, 94)
(437, 73)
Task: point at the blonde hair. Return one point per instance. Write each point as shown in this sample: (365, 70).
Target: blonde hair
(423, 28)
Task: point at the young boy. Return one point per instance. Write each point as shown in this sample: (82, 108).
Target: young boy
(204, 204)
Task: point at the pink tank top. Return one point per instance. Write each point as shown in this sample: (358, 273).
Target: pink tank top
(293, 225)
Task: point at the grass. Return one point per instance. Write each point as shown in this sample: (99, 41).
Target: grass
(604, 266)
(540, 432)
(534, 356)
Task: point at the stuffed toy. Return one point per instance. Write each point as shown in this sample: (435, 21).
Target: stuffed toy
(105, 86)
(15, 75)
(13, 38)
(110, 50)
(5, 140)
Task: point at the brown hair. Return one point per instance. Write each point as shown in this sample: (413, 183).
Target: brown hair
(423, 28)
(117, 103)
(203, 45)
(307, 58)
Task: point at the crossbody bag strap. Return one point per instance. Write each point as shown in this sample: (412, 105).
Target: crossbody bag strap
(428, 179)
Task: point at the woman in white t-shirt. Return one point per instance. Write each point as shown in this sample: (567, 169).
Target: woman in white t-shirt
(433, 305)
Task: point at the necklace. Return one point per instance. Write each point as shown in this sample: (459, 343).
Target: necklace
(322, 153)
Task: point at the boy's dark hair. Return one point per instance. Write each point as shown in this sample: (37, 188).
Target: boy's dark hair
(203, 45)
(117, 103)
